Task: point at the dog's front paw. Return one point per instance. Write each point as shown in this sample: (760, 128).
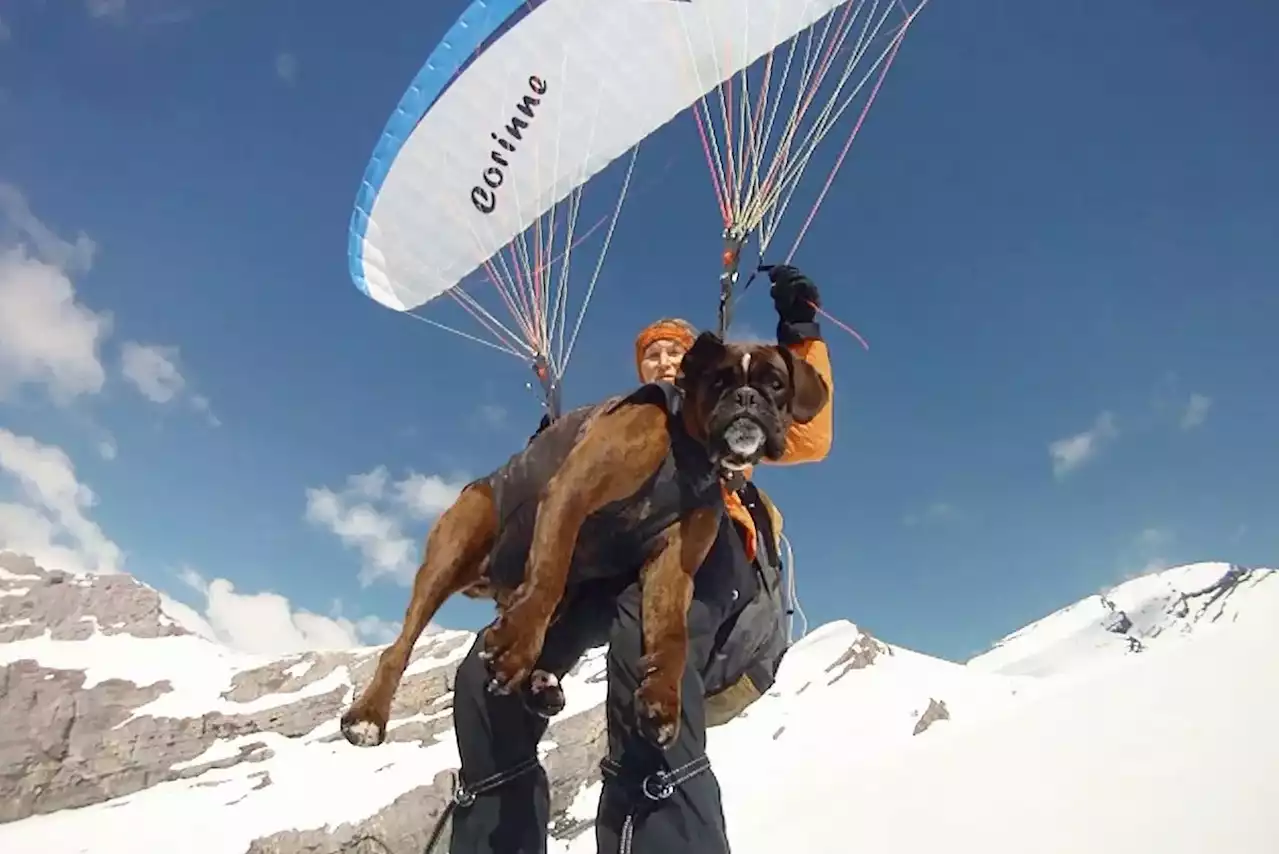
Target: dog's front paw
(658, 710)
(364, 726)
(544, 695)
(510, 651)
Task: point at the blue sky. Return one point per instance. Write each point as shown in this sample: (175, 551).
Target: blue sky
(1056, 230)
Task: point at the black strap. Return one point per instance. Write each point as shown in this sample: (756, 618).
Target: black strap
(765, 534)
(465, 796)
(655, 787)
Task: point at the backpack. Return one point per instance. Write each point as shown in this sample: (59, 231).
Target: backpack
(749, 648)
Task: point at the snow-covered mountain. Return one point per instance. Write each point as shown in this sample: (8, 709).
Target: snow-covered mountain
(1140, 720)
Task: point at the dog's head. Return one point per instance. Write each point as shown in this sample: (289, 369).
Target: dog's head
(740, 399)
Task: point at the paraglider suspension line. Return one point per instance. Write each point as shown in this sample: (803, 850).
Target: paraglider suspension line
(730, 259)
(550, 386)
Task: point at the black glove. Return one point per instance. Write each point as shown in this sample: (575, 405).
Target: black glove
(796, 298)
(542, 425)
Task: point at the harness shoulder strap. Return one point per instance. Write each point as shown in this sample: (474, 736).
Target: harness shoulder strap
(768, 522)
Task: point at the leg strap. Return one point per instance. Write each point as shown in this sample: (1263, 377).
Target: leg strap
(465, 796)
(655, 787)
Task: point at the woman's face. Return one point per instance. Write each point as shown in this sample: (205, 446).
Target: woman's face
(660, 361)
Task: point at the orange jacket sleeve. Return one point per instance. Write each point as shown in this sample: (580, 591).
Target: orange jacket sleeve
(811, 442)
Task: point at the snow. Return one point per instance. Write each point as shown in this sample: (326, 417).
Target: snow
(199, 671)
(438, 652)
(299, 669)
(1173, 751)
(186, 617)
(313, 783)
(220, 810)
(10, 575)
(1059, 740)
(1076, 638)
(194, 666)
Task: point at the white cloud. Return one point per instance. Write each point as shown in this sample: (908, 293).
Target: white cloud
(939, 511)
(105, 8)
(287, 67)
(200, 404)
(153, 370)
(18, 224)
(1147, 553)
(1074, 451)
(383, 547)
(369, 514)
(427, 496)
(1171, 400)
(267, 623)
(493, 415)
(47, 337)
(107, 449)
(1150, 538)
(377, 630)
(1196, 411)
(51, 525)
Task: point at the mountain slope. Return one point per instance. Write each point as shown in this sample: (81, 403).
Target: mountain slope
(1129, 617)
(125, 731)
(1173, 751)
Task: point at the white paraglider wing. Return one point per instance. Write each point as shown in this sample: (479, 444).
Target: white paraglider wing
(521, 103)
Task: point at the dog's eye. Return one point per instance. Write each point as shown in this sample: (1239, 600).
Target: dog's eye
(777, 384)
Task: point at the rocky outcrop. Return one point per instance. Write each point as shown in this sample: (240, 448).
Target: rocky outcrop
(64, 745)
(937, 711)
(104, 697)
(69, 738)
(862, 653)
(35, 602)
(1209, 602)
(405, 825)
(1179, 610)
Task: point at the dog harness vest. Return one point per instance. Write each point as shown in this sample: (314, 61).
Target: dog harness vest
(617, 539)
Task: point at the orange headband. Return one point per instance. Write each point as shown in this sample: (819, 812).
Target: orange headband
(667, 329)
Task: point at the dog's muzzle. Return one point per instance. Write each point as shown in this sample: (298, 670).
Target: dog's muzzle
(743, 440)
(744, 437)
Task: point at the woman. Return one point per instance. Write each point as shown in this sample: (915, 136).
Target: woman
(652, 801)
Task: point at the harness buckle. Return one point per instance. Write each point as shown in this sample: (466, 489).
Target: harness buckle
(657, 786)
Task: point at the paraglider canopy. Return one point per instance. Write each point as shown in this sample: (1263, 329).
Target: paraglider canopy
(483, 161)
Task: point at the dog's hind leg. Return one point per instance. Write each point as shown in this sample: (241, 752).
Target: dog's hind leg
(453, 560)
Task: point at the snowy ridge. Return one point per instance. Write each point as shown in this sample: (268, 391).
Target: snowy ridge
(234, 753)
(1132, 757)
(1128, 618)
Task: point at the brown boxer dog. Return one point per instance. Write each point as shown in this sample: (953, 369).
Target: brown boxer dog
(594, 473)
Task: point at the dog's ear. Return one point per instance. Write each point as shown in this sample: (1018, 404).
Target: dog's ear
(809, 392)
(706, 352)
